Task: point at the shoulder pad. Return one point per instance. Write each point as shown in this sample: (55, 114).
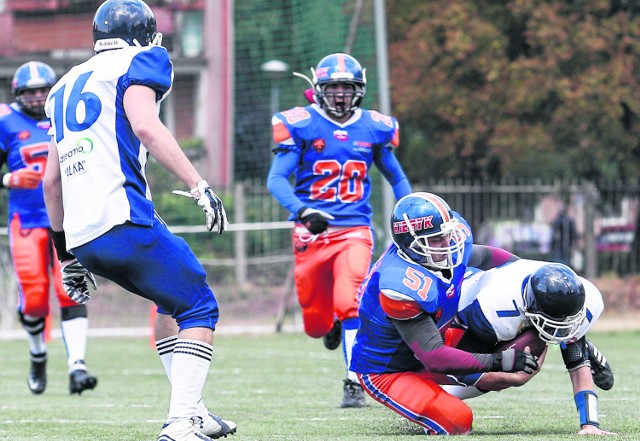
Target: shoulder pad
(399, 306)
(387, 126)
(286, 122)
(5, 110)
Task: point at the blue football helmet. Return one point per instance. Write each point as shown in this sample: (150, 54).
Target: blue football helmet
(343, 69)
(554, 299)
(32, 75)
(122, 23)
(426, 232)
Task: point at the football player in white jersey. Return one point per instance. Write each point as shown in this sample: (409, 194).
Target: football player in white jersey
(534, 303)
(105, 123)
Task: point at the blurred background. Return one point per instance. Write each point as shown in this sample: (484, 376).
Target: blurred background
(523, 115)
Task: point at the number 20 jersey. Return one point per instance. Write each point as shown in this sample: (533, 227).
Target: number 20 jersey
(102, 162)
(335, 158)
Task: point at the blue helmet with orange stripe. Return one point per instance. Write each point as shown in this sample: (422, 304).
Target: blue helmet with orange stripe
(342, 69)
(32, 75)
(426, 232)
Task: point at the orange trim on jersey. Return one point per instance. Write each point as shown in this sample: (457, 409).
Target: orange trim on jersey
(280, 133)
(396, 138)
(399, 309)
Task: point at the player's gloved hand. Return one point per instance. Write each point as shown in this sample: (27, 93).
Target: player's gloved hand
(74, 280)
(210, 203)
(26, 178)
(514, 360)
(316, 221)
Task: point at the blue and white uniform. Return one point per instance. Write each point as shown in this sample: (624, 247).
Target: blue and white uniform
(109, 218)
(492, 304)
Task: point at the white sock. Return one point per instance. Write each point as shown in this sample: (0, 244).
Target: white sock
(74, 334)
(35, 334)
(189, 370)
(165, 351)
(349, 340)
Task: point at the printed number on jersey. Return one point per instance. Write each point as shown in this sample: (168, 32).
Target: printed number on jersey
(343, 182)
(81, 110)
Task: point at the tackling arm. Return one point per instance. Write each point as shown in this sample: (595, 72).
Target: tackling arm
(485, 257)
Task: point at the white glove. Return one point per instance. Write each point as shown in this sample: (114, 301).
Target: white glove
(210, 203)
(74, 281)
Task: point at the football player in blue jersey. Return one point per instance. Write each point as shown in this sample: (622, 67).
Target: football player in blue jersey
(534, 303)
(330, 147)
(408, 301)
(105, 123)
(24, 145)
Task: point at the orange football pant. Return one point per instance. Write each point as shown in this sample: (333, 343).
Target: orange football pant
(34, 260)
(418, 398)
(329, 269)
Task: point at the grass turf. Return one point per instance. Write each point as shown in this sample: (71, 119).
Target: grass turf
(287, 387)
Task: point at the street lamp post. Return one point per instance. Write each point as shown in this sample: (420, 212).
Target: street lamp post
(276, 71)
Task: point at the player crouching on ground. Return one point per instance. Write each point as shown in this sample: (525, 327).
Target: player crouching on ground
(533, 303)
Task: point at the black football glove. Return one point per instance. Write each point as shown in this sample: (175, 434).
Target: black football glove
(210, 203)
(316, 221)
(74, 281)
(514, 360)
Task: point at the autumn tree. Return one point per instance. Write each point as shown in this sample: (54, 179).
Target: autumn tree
(522, 88)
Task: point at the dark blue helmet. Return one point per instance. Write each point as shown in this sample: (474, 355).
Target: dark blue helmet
(344, 69)
(29, 76)
(426, 232)
(554, 300)
(123, 23)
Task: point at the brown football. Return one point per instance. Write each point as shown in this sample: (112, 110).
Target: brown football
(529, 337)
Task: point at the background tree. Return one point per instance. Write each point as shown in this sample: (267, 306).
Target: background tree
(523, 88)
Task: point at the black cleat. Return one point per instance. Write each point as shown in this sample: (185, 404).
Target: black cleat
(600, 368)
(81, 379)
(353, 395)
(37, 378)
(334, 337)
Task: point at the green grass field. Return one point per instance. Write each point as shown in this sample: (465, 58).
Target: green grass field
(287, 387)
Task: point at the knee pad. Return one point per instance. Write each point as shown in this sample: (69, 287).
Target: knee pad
(33, 325)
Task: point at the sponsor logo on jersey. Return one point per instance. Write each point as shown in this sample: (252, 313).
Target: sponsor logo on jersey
(418, 224)
(341, 135)
(364, 144)
(318, 145)
(24, 135)
(84, 146)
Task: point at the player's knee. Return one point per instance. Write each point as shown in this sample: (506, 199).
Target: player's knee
(451, 413)
(315, 325)
(33, 325)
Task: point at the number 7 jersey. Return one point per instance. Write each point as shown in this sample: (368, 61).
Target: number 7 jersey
(335, 158)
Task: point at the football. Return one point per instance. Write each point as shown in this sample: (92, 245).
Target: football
(527, 338)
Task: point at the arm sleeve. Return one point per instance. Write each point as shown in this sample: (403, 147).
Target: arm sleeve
(423, 337)
(486, 257)
(284, 163)
(392, 171)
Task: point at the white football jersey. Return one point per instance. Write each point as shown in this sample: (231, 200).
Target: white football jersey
(102, 162)
(492, 303)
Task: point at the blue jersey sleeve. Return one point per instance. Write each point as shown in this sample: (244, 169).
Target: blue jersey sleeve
(151, 68)
(284, 163)
(392, 171)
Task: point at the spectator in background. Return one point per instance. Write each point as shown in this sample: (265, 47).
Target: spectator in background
(331, 146)
(24, 145)
(563, 237)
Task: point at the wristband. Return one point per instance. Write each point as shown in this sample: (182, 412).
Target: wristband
(587, 406)
(60, 243)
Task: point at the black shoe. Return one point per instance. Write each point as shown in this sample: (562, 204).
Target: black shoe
(37, 378)
(334, 337)
(81, 379)
(353, 395)
(600, 368)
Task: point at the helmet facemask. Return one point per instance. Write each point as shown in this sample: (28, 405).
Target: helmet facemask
(436, 256)
(32, 103)
(339, 103)
(546, 298)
